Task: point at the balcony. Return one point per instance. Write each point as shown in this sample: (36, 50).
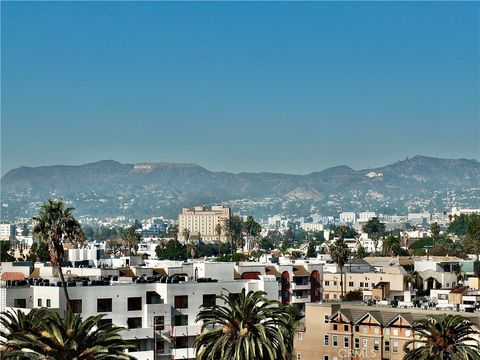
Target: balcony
(301, 286)
(300, 299)
(186, 353)
(139, 333)
(189, 330)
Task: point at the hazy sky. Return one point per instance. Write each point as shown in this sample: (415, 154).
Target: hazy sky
(283, 87)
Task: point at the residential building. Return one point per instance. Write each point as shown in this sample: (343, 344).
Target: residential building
(348, 217)
(8, 231)
(365, 216)
(352, 331)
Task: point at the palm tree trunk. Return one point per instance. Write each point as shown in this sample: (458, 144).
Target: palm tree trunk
(341, 282)
(64, 285)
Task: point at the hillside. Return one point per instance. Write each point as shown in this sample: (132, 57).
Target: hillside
(109, 188)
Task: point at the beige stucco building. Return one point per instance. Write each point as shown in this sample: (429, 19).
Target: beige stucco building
(201, 222)
(348, 331)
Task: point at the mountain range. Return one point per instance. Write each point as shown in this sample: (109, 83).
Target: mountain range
(109, 188)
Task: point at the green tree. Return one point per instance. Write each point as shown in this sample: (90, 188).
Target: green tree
(43, 334)
(173, 250)
(234, 227)
(54, 224)
(458, 224)
(4, 251)
(361, 252)
(435, 232)
(38, 251)
(375, 229)
(391, 245)
(472, 240)
(413, 280)
(252, 227)
(25, 230)
(311, 252)
(137, 225)
(246, 326)
(130, 239)
(345, 232)
(340, 253)
(446, 337)
(218, 231)
(88, 231)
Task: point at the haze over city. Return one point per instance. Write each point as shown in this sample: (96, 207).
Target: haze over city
(281, 87)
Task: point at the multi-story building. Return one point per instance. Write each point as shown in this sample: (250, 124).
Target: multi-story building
(202, 222)
(8, 231)
(348, 217)
(365, 216)
(159, 310)
(349, 331)
(311, 226)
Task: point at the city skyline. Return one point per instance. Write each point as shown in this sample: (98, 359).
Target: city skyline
(252, 87)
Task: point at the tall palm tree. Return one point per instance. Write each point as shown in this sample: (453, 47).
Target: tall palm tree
(446, 337)
(54, 224)
(391, 245)
(247, 326)
(339, 253)
(130, 239)
(414, 280)
(45, 335)
(218, 230)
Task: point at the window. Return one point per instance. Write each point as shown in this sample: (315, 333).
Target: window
(395, 332)
(357, 328)
(325, 357)
(181, 302)
(361, 284)
(76, 306)
(335, 327)
(335, 340)
(373, 285)
(376, 344)
(159, 323)
(326, 317)
(209, 299)
(387, 331)
(134, 303)
(134, 322)
(408, 332)
(376, 330)
(334, 283)
(395, 346)
(180, 320)
(356, 342)
(345, 327)
(325, 340)
(327, 283)
(387, 345)
(350, 283)
(20, 303)
(39, 302)
(49, 303)
(181, 342)
(104, 305)
(346, 342)
(299, 356)
(365, 343)
(299, 335)
(365, 329)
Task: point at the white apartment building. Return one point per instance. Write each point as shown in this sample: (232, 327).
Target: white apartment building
(457, 211)
(202, 222)
(8, 231)
(366, 216)
(348, 217)
(311, 227)
(159, 311)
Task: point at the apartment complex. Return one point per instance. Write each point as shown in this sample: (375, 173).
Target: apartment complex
(158, 306)
(8, 231)
(348, 331)
(202, 222)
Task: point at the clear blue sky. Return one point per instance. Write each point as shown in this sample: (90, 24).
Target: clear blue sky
(283, 87)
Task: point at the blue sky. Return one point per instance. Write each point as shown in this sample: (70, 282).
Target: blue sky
(282, 87)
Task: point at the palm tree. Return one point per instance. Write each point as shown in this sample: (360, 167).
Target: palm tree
(339, 253)
(130, 239)
(54, 224)
(45, 335)
(414, 279)
(247, 326)
(218, 230)
(446, 337)
(391, 245)
(186, 236)
(375, 229)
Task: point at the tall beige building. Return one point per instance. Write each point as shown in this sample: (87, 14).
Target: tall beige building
(201, 222)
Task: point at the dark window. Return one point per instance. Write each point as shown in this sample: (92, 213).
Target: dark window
(39, 302)
(181, 320)
(345, 327)
(361, 284)
(387, 346)
(181, 342)
(153, 298)
(134, 303)
(335, 327)
(159, 323)
(76, 306)
(134, 323)
(350, 283)
(357, 343)
(209, 299)
(49, 303)
(20, 303)
(181, 302)
(104, 305)
(357, 328)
